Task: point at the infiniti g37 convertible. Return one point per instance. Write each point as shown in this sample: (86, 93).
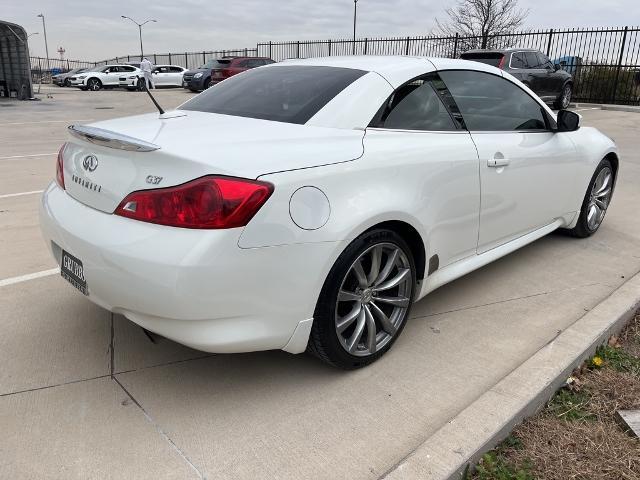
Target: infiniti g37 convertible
(306, 205)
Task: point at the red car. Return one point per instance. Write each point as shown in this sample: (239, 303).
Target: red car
(230, 66)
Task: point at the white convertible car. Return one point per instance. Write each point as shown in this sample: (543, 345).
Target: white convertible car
(307, 204)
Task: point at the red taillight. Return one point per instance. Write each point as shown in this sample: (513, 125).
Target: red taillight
(501, 64)
(226, 72)
(60, 167)
(207, 202)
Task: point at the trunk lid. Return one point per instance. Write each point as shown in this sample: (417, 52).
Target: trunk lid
(186, 145)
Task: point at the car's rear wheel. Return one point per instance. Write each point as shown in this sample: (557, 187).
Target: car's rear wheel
(596, 201)
(564, 99)
(365, 301)
(94, 84)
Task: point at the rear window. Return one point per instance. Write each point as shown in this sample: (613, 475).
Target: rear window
(489, 58)
(291, 94)
(215, 64)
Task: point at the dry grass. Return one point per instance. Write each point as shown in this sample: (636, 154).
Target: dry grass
(576, 436)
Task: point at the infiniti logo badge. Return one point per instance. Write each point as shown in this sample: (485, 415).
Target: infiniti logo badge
(90, 163)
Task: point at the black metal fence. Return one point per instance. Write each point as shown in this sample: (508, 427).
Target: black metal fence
(42, 68)
(186, 59)
(605, 62)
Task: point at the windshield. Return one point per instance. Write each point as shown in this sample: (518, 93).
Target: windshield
(96, 69)
(215, 64)
(291, 94)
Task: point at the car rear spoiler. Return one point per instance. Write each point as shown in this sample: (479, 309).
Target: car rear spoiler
(110, 139)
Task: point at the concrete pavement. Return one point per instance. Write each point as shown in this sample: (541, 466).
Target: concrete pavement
(84, 394)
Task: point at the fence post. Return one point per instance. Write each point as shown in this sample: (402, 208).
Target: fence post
(549, 42)
(406, 50)
(298, 50)
(270, 49)
(186, 60)
(169, 58)
(619, 67)
(455, 46)
(204, 57)
(329, 47)
(366, 44)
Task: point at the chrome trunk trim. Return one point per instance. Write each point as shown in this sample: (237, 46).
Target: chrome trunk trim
(110, 139)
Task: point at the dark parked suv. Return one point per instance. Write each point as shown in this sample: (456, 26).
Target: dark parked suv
(216, 70)
(533, 68)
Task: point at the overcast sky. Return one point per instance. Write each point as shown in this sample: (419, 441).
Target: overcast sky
(94, 30)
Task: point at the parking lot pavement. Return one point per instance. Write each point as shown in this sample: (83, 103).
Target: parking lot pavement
(85, 394)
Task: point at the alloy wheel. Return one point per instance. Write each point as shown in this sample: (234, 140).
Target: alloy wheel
(94, 85)
(599, 198)
(373, 299)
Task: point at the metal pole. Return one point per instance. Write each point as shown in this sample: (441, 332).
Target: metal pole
(549, 42)
(615, 84)
(141, 50)
(455, 45)
(46, 44)
(355, 15)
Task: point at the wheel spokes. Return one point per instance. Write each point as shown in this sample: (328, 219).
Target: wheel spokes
(394, 282)
(402, 302)
(376, 258)
(386, 271)
(352, 344)
(371, 330)
(345, 296)
(346, 321)
(360, 275)
(385, 323)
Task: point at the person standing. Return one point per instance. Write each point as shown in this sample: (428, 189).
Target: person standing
(146, 66)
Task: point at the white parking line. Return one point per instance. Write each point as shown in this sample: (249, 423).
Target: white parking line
(27, 156)
(30, 276)
(48, 121)
(9, 195)
(583, 109)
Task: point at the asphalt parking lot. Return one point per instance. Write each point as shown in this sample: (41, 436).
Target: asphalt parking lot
(85, 394)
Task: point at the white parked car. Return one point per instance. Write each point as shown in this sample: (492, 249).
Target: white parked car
(162, 75)
(102, 76)
(307, 204)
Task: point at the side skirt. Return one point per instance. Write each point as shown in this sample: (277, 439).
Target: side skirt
(467, 265)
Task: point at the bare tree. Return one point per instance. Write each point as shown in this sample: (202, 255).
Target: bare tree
(477, 21)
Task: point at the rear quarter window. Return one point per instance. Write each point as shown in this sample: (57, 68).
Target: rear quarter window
(490, 58)
(291, 94)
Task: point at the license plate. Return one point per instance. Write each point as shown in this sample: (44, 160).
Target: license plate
(71, 270)
(184, 84)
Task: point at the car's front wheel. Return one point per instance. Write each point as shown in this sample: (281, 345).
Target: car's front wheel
(67, 82)
(94, 84)
(365, 301)
(596, 201)
(564, 99)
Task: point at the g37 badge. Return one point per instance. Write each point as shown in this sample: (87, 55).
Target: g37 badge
(153, 180)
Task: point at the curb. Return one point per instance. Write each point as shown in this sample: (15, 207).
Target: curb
(605, 106)
(520, 394)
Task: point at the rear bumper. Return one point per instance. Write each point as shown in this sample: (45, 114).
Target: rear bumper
(197, 287)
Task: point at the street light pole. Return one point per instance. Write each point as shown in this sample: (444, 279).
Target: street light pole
(46, 45)
(139, 31)
(355, 14)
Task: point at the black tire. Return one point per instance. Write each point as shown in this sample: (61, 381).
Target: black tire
(67, 82)
(206, 84)
(323, 341)
(94, 84)
(582, 229)
(564, 99)
(140, 85)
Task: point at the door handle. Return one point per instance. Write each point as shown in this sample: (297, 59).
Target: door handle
(498, 162)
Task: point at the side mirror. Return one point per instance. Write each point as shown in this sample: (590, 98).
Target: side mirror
(568, 121)
(557, 67)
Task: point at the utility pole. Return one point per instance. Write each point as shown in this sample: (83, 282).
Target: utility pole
(139, 31)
